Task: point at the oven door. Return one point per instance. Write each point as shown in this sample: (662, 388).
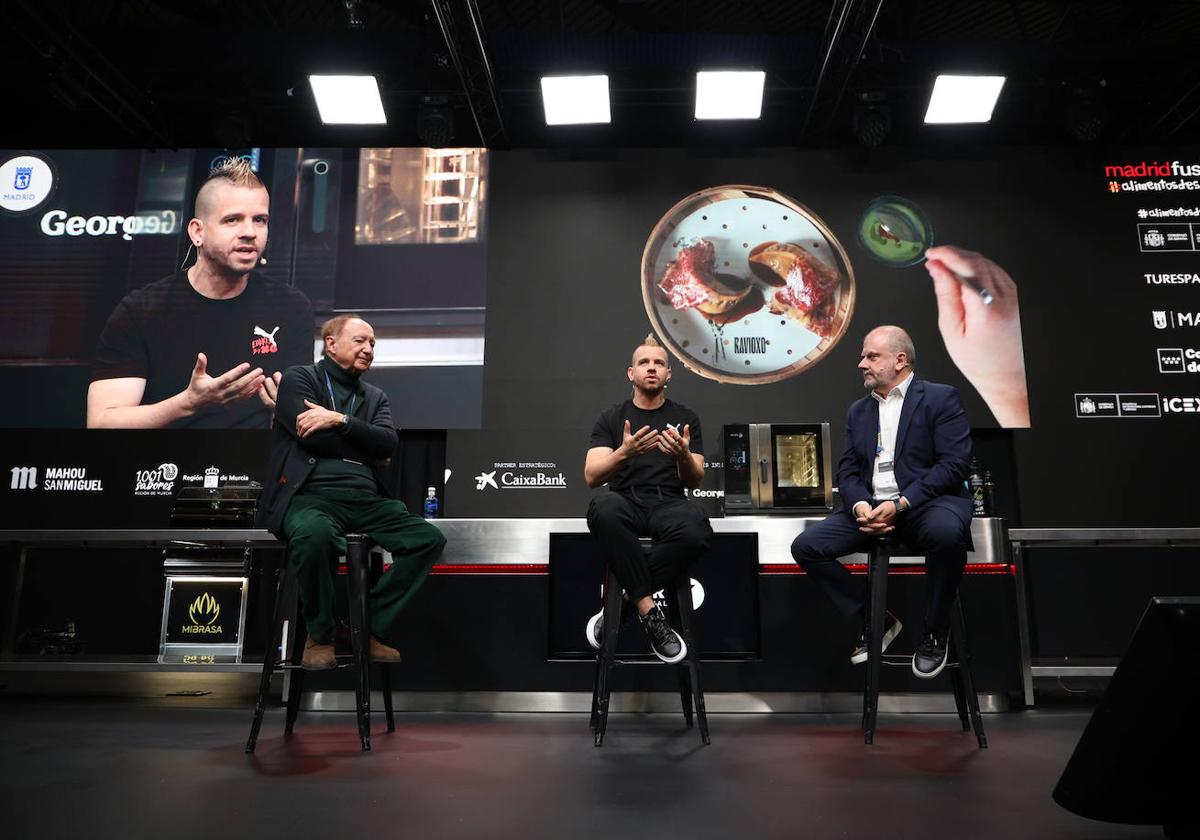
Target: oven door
(800, 475)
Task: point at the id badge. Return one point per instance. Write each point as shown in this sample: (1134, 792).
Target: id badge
(885, 472)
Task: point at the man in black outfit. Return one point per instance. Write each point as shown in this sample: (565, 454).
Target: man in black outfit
(648, 450)
(333, 433)
(156, 352)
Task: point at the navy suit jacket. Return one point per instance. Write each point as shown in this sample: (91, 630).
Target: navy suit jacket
(933, 449)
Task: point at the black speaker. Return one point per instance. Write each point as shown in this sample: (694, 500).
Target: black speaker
(1136, 761)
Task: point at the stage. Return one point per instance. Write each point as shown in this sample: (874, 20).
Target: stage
(174, 767)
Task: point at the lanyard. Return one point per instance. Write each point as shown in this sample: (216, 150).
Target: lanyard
(333, 399)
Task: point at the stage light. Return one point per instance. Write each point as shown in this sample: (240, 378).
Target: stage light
(348, 100)
(574, 100)
(435, 121)
(872, 119)
(729, 94)
(963, 99)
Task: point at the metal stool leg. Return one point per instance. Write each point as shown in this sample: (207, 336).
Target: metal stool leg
(877, 572)
(956, 683)
(594, 719)
(959, 633)
(687, 628)
(296, 687)
(269, 657)
(375, 564)
(608, 654)
(681, 590)
(385, 684)
(356, 582)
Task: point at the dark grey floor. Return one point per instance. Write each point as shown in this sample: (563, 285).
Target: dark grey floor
(107, 769)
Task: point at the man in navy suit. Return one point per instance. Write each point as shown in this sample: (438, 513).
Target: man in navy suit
(908, 450)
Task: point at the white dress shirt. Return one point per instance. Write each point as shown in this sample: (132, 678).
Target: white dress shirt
(883, 485)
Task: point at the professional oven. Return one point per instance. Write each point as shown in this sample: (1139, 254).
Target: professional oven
(777, 466)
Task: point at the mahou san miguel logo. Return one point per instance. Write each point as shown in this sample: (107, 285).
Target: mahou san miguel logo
(264, 342)
(203, 613)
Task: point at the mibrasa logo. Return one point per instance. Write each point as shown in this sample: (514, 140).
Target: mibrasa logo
(204, 610)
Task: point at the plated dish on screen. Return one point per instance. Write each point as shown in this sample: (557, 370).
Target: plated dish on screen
(746, 285)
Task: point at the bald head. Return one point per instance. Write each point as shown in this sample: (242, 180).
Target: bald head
(896, 340)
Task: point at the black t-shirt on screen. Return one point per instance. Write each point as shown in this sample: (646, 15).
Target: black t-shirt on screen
(155, 333)
(654, 468)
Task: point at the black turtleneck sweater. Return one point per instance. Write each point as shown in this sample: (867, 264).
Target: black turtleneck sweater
(347, 398)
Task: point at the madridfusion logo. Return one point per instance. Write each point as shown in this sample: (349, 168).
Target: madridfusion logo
(1152, 176)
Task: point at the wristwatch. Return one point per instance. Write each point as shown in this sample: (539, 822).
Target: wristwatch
(345, 420)
(900, 504)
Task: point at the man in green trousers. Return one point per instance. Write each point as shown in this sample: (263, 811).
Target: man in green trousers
(332, 434)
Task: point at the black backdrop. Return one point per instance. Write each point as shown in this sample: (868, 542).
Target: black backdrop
(565, 306)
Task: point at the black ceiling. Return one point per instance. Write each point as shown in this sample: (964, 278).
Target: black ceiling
(213, 73)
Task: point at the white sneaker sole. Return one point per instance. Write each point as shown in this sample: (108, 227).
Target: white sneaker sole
(934, 672)
(592, 636)
(679, 656)
(888, 637)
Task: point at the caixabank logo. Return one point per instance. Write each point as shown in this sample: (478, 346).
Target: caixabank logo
(521, 475)
(203, 614)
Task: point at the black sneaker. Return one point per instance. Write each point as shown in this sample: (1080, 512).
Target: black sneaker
(891, 629)
(930, 658)
(666, 643)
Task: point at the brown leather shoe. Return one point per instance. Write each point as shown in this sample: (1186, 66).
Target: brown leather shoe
(318, 657)
(383, 653)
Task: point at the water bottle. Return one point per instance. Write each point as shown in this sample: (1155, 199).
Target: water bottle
(432, 505)
(989, 493)
(975, 485)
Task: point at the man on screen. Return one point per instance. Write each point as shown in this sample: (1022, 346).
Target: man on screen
(332, 435)
(908, 449)
(648, 449)
(205, 347)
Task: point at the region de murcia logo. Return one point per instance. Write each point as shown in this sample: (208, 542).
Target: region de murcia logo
(264, 342)
(1155, 239)
(487, 479)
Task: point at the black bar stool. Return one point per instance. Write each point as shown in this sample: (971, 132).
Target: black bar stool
(679, 608)
(286, 599)
(958, 663)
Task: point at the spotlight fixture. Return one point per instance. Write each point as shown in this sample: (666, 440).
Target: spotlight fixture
(435, 121)
(963, 99)
(575, 100)
(348, 100)
(872, 120)
(729, 94)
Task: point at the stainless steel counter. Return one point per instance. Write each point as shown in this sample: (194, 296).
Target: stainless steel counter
(1022, 538)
